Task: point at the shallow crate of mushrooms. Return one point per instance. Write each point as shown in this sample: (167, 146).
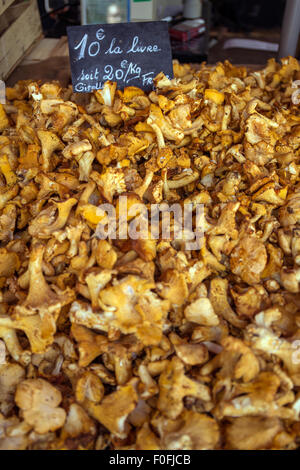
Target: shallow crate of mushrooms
(121, 343)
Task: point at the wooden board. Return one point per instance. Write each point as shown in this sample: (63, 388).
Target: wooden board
(47, 60)
(19, 37)
(41, 51)
(4, 4)
(46, 48)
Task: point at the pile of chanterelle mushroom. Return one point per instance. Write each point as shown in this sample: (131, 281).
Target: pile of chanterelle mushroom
(141, 343)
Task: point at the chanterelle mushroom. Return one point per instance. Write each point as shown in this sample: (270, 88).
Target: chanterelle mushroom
(39, 402)
(116, 333)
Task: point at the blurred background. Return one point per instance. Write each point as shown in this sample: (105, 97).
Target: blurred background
(226, 22)
(248, 32)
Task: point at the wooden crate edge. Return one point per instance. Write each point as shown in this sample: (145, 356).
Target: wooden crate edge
(6, 76)
(36, 32)
(4, 4)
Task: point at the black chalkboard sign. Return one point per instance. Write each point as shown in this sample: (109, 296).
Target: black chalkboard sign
(131, 54)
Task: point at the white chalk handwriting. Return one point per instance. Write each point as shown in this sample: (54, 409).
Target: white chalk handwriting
(125, 72)
(101, 55)
(87, 47)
